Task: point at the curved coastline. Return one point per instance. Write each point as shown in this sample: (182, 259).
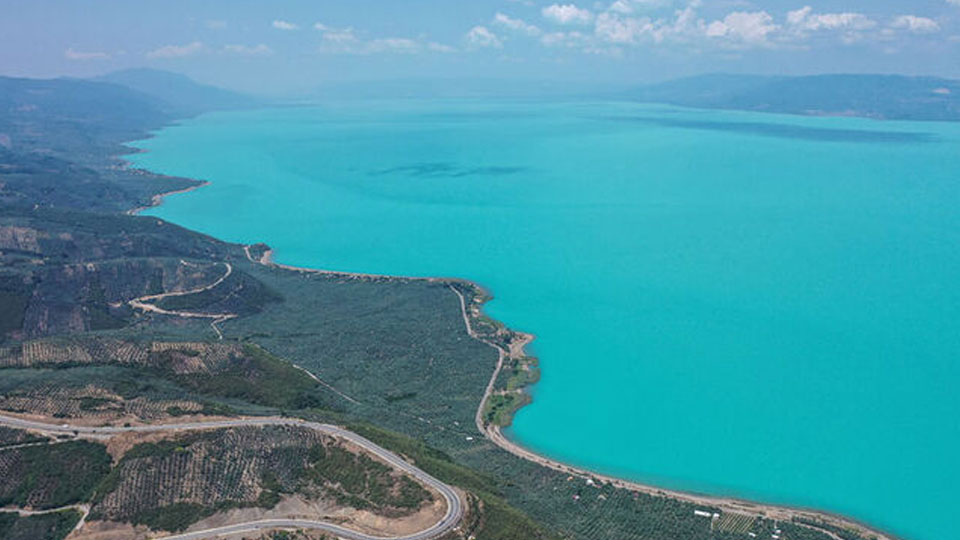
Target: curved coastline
(515, 348)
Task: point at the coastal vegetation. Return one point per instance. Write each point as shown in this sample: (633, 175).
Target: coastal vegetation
(500, 408)
(509, 393)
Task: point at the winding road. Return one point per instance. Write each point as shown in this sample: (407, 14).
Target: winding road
(142, 303)
(501, 356)
(449, 521)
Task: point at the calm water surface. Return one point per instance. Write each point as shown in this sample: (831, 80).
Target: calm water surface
(758, 305)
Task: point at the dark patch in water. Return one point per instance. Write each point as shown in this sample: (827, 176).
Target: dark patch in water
(785, 131)
(446, 170)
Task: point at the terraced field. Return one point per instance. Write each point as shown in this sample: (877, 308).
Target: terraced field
(162, 484)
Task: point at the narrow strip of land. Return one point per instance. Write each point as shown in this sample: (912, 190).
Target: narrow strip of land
(449, 521)
(157, 199)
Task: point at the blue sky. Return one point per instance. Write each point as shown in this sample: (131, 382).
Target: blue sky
(289, 46)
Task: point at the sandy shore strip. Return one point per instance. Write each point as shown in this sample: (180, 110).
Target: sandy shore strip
(266, 259)
(157, 199)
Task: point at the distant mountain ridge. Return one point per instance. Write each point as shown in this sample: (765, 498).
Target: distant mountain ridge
(178, 94)
(107, 104)
(892, 97)
(66, 128)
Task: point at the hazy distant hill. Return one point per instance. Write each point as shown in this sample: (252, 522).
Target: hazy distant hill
(457, 88)
(181, 95)
(63, 100)
(874, 96)
(59, 139)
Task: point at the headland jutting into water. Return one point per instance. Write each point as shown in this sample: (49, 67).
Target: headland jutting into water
(510, 346)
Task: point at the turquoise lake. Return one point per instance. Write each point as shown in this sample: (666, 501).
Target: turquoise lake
(744, 304)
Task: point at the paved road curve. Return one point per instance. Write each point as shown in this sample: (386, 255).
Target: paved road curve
(449, 521)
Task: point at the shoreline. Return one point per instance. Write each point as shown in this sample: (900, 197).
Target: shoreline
(157, 199)
(726, 503)
(516, 344)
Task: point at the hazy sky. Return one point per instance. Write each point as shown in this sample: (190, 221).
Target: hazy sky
(279, 46)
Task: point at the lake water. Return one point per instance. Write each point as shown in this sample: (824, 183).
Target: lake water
(735, 303)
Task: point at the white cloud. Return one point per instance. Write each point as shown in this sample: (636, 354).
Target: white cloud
(743, 27)
(626, 7)
(621, 6)
(616, 25)
(954, 2)
(748, 27)
(338, 40)
(247, 50)
(684, 27)
(440, 47)
(622, 30)
(71, 54)
(216, 25)
(397, 45)
(851, 26)
(176, 51)
(567, 14)
(346, 41)
(342, 41)
(554, 38)
(517, 25)
(481, 37)
(565, 39)
(584, 43)
(915, 24)
(806, 20)
(803, 20)
(284, 25)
